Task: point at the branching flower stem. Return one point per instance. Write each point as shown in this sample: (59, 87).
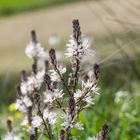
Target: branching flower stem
(46, 124)
(82, 97)
(63, 81)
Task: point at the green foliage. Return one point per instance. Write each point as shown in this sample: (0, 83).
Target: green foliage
(10, 7)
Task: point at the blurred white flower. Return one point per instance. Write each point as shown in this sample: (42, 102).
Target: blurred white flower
(33, 82)
(95, 89)
(78, 94)
(27, 101)
(31, 130)
(46, 113)
(11, 136)
(24, 88)
(68, 122)
(89, 100)
(20, 106)
(24, 121)
(51, 116)
(54, 41)
(54, 75)
(37, 121)
(50, 96)
(35, 51)
(79, 126)
(120, 95)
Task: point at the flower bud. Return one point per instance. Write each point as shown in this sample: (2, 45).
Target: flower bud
(9, 125)
(23, 76)
(76, 31)
(53, 57)
(96, 71)
(33, 37)
(18, 91)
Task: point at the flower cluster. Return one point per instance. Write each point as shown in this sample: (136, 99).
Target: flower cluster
(52, 94)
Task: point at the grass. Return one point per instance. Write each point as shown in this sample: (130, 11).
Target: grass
(10, 7)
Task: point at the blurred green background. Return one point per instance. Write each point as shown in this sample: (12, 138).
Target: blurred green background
(114, 27)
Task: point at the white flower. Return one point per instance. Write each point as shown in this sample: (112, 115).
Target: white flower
(120, 95)
(11, 136)
(54, 75)
(31, 130)
(40, 76)
(72, 48)
(78, 51)
(89, 100)
(46, 113)
(31, 50)
(34, 81)
(20, 106)
(51, 116)
(27, 101)
(95, 89)
(54, 41)
(78, 94)
(87, 84)
(50, 96)
(37, 121)
(35, 51)
(67, 121)
(24, 122)
(79, 126)
(24, 88)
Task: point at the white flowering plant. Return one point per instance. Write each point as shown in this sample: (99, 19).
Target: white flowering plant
(52, 97)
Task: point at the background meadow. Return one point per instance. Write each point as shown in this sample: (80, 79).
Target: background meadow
(113, 27)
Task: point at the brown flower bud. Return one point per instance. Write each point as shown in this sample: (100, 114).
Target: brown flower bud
(36, 98)
(72, 106)
(9, 125)
(47, 80)
(18, 91)
(104, 131)
(23, 76)
(34, 67)
(96, 71)
(86, 78)
(29, 114)
(33, 37)
(76, 31)
(53, 57)
(61, 135)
